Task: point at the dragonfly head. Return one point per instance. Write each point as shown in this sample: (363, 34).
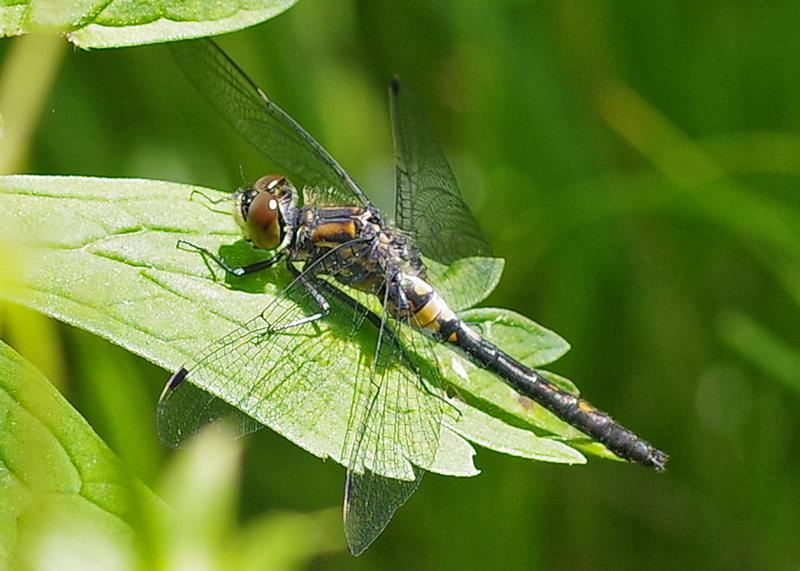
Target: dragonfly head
(261, 211)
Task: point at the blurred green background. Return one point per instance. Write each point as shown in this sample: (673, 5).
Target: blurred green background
(636, 164)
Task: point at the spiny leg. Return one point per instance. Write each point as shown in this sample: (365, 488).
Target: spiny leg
(237, 272)
(356, 306)
(309, 285)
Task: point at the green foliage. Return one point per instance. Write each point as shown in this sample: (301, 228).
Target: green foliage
(636, 166)
(119, 23)
(201, 486)
(55, 472)
(115, 270)
(762, 348)
(466, 282)
(69, 503)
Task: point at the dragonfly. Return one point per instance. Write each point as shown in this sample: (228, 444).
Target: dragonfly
(346, 259)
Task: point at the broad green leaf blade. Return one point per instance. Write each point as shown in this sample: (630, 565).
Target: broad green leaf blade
(121, 23)
(467, 281)
(485, 430)
(301, 380)
(98, 269)
(112, 268)
(51, 459)
(453, 458)
(526, 340)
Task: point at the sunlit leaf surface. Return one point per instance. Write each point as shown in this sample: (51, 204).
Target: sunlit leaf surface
(112, 268)
(120, 23)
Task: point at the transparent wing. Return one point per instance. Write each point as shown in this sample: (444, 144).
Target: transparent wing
(370, 502)
(334, 386)
(185, 409)
(428, 200)
(262, 123)
(400, 402)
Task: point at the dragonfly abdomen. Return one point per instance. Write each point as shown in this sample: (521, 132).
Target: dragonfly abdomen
(568, 407)
(422, 305)
(429, 312)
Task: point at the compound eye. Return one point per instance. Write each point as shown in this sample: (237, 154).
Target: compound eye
(270, 183)
(264, 221)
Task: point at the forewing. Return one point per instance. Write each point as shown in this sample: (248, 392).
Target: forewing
(428, 201)
(262, 123)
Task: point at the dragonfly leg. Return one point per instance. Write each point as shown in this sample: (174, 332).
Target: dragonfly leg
(238, 272)
(358, 307)
(210, 202)
(428, 388)
(209, 199)
(316, 295)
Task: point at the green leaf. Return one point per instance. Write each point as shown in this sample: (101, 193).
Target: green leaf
(124, 23)
(111, 267)
(525, 340)
(466, 282)
(493, 433)
(529, 342)
(54, 467)
(66, 502)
